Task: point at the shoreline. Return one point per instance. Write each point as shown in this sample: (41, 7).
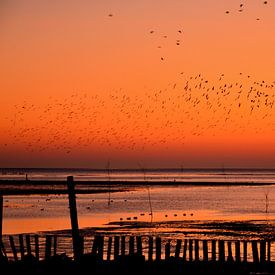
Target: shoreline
(50, 187)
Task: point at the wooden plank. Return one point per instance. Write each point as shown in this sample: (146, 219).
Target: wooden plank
(269, 251)
(3, 253)
(132, 245)
(255, 252)
(36, 242)
(21, 246)
(221, 251)
(245, 251)
(150, 248)
(190, 250)
(77, 247)
(213, 250)
(158, 248)
(48, 247)
(28, 244)
(109, 249)
(205, 250)
(262, 251)
(139, 245)
(229, 250)
(123, 242)
(237, 251)
(178, 247)
(95, 245)
(197, 255)
(116, 247)
(13, 248)
(184, 255)
(100, 247)
(167, 250)
(54, 245)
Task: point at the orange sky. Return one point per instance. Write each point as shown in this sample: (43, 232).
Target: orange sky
(80, 87)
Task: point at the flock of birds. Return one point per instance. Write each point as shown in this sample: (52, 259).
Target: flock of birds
(242, 8)
(191, 107)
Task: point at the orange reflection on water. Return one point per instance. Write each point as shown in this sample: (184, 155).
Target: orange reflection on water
(135, 222)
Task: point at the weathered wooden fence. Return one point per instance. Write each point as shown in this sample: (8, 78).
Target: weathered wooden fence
(108, 248)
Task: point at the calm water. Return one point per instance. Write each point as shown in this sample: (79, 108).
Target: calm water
(180, 203)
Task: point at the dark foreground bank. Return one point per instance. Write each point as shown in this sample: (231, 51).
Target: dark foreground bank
(131, 265)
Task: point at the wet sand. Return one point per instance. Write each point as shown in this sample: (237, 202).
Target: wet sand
(246, 230)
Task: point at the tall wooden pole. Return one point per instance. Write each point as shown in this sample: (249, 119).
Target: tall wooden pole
(77, 244)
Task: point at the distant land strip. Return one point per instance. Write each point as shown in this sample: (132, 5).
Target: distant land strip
(31, 187)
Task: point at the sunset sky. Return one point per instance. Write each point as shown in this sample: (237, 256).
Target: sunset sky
(163, 83)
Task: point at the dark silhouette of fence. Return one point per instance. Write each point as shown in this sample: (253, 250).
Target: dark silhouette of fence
(108, 248)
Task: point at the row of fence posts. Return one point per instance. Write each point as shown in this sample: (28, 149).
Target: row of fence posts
(186, 250)
(24, 250)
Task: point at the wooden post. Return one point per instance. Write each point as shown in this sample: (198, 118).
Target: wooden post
(1, 216)
(244, 251)
(268, 251)
(100, 247)
(122, 245)
(139, 245)
(36, 241)
(262, 251)
(205, 250)
(221, 251)
(21, 246)
(3, 253)
(54, 245)
(77, 247)
(158, 248)
(13, 248)
(48, 247)
(167, 250)
(229, 248)
(116, 247)
(109, 249)
(150, 248)
(237, 251)
(197, 256)
(184, 250)
(255, 252)
(3, 250)
(28, 244)
(190, 250)
(178, 247)
(95, 245)
(213, 244)
(131, 245)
